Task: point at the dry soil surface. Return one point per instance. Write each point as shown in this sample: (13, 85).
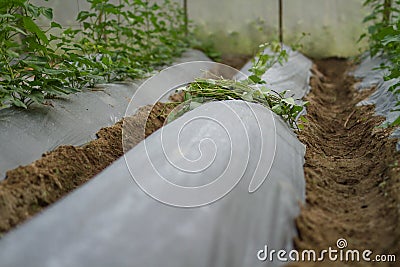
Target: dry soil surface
(351, 170)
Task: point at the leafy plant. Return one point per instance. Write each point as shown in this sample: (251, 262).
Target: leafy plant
(118, 41)
(130, 38)
(28, 70)
(384, 39)
(252, 89)
(206, 46)
(264, 61)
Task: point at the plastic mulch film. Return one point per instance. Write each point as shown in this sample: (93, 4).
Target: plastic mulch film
(212, 188)
(27, 134)
(371, 76)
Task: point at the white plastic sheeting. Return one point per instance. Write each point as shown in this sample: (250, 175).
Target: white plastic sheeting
(237, 26)
(27, 134)
(110, 221)
(370, 74)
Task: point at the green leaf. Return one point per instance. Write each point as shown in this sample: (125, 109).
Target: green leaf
(54, 71)
(247, 96)
(255, 79)
(48, 13)
(194, 105)
(18, 103)
(396, 122)
(37, 97)
(6, 16)
(296, 109)
(86, 25)
(369, 18)
(303, 119)
(56, 25)
(391, 39)
(83, 15)
(277, 109)
(187, 96)
(21, 31)
(31, 26)
(289, 101)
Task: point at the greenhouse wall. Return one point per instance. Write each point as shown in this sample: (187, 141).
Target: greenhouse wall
(236, 26)
(247, 23)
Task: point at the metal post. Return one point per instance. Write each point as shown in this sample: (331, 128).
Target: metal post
(185, 8)
(280, 23)
(387, 5)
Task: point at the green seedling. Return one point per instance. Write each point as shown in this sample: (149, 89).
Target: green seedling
(253, 89)
(127, 40)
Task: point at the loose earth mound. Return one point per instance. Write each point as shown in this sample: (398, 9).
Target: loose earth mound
(28, 189)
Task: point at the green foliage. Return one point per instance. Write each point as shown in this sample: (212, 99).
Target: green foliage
(27, 70)
(298, 44)
(207, 46)
(263, 61)
(118, 41)
(251, 90)
(384, 38)
(129, 39)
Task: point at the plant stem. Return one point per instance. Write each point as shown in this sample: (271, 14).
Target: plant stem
(186, 17)
(281, 22)
(387, 5)
(9, 67)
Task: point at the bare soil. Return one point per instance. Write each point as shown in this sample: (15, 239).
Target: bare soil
(236, 61)
(351, 170)
(27, 190)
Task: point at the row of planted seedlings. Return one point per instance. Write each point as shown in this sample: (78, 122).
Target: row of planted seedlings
(120, 41)
(383, 37)
(127, 40)
(63, 175)
(253, 89)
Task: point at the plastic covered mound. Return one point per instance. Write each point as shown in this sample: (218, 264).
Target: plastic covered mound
(247, 158)
(27, 134)
(370, 74)
(111, 221)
